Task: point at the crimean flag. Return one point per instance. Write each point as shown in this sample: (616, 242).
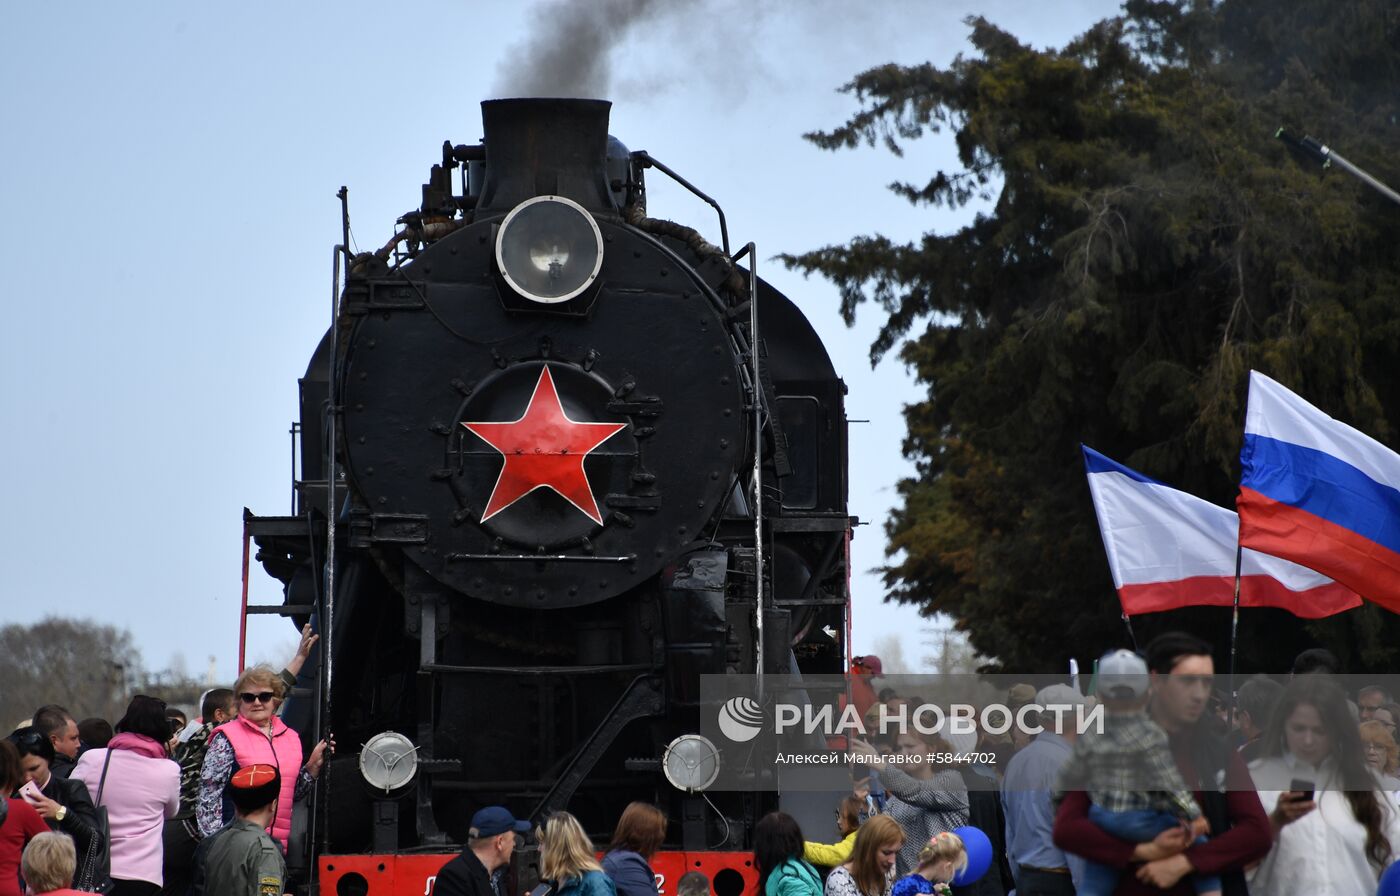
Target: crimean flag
(1319, 493)
(1168, 549)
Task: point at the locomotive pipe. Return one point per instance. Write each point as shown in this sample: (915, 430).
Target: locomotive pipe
(545, 147)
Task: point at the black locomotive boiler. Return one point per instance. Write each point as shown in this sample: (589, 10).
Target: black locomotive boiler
(558, 460)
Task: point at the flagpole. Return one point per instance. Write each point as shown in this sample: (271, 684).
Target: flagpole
(1131, 637)
(1234, 633)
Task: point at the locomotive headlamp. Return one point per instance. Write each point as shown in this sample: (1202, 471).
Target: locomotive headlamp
(549, 249)
(691, 763)
(389, 761)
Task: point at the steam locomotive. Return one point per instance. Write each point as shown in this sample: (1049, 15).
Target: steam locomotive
(558, 459)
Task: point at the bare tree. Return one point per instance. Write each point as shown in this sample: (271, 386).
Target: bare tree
(88, 668)
(949, 651)
(890, 650)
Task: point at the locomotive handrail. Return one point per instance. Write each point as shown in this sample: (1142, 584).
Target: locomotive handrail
(643, 156)
(320, 821)
(758, 414)
(243, 617)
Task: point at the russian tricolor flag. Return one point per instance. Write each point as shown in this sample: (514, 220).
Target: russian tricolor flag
(1320, 493)
(1168, 549)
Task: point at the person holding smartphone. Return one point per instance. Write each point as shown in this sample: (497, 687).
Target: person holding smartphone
(62, 802)
(1334, 829)
(19, 823)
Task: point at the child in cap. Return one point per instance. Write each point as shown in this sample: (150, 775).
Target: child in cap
(1129, 774)
(941, 860)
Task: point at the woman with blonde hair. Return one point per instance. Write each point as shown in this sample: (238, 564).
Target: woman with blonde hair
(941, 860)
(256, 736)
(1381, 753)
(566, 859)
(49, 863)
(870, 870)
(641, 830)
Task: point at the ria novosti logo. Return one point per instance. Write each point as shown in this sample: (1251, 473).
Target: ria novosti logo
(740, 719)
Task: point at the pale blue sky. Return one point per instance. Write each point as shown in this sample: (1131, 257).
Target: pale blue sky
(167, 211)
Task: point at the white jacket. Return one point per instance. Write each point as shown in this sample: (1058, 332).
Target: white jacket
(1324, 852)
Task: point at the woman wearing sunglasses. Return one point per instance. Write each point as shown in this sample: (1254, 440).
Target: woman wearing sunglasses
(135, 779)
(257, 735)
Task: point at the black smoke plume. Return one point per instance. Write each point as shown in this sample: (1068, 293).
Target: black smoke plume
(570, 52)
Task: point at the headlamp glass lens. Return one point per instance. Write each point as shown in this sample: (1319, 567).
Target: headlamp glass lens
(549, 249)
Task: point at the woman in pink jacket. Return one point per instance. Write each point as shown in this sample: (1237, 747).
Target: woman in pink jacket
(141, 789)
(257, 736)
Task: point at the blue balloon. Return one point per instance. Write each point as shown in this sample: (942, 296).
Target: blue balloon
(979, 856)
(1390, 881)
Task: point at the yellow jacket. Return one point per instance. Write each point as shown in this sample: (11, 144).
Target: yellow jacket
(829, 854)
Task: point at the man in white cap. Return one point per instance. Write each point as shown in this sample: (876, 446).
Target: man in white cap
(1039, 867)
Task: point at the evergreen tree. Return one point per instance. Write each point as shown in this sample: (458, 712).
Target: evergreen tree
(1150, 242)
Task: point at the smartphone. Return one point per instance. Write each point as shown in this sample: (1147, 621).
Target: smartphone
(1303, 787)
(30, 791)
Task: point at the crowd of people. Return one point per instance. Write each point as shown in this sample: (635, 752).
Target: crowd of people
(1293, 789)
(156, 803)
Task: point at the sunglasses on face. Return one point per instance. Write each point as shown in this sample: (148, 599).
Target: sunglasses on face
(261, 697)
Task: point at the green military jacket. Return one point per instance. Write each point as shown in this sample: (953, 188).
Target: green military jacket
(240, 860)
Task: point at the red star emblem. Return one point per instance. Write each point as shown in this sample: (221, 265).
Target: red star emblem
(544, 449)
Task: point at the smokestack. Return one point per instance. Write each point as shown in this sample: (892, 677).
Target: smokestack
(539, 147)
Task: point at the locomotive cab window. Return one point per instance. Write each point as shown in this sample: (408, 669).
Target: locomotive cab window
(801, 419)
(549, 249)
